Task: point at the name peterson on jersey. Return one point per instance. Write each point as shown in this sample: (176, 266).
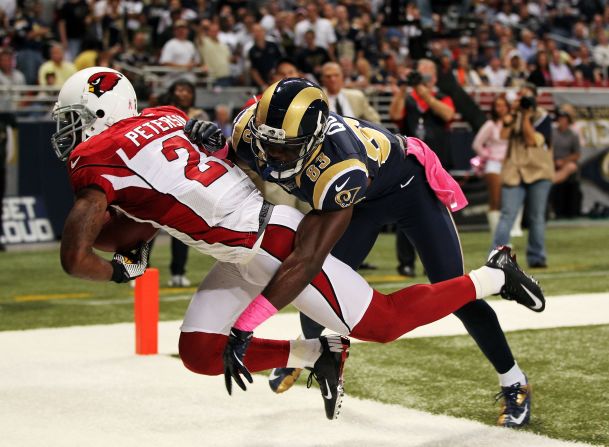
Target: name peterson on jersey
(147, 168)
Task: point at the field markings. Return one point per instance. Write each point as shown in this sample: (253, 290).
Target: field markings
(90, 389)
(51, 296)
(166, 293)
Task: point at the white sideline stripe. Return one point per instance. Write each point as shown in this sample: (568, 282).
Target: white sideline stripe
(84, 386)
(565, 310)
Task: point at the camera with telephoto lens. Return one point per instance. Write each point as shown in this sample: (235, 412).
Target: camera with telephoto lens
(528, 102)
(414, 78)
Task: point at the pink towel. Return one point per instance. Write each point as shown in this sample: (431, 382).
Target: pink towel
(445, 187)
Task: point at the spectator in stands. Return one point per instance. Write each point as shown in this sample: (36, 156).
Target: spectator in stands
(179, 52)
(494, 73)
(322, 28)
(540, 76)
(517, 70)
(585, 64)
(73, 25)
(263, 56)
(347, 36)
(138, 52)
(465, 75)
(527, 46)
(310, 58)
(345, 101)
(491, 150)
(91, 49)
(57, 66)
(109, 16)
(29, 38)
(223, 119)
(527, 172)
(216, 55)
(9, 77)
(600, 52)
(507, 16)
(559, 70)
(285, 31)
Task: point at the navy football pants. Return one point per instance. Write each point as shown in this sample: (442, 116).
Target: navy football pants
(429, 226)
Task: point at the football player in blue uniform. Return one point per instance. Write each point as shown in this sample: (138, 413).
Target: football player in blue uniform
(358, 177)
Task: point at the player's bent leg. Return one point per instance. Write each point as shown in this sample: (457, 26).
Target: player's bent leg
(202, 353)
(390, 316)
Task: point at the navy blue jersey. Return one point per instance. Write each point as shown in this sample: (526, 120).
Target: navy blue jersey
(358, 160)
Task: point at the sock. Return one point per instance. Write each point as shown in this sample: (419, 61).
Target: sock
(514, 375)
(304, 353)
(487, 281)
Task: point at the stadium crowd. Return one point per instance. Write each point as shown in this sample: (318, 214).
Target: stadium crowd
(237, 43)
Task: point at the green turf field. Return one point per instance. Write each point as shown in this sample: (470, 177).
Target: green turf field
(37, 293)
(448, 375)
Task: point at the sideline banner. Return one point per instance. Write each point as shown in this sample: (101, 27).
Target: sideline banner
(25, 220)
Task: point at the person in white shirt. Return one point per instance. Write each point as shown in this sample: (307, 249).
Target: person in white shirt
(495, 73)
(600, 53)
(179, 52)
(325, 36)
(559, 71)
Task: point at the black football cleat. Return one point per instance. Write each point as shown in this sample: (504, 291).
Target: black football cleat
(515, 405)
(328, 372)
(519, 286)
(282, 379)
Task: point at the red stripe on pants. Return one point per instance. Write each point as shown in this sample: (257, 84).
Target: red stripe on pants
(390, 316)
(201, 353)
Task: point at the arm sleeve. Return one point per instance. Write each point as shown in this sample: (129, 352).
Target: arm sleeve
(87, 176)
(340, 186)
(482, 137)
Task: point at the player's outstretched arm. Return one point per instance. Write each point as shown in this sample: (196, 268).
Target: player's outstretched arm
(317, 234)
(83, 224)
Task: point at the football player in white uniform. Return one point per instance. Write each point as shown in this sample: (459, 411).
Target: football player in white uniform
(145, 167)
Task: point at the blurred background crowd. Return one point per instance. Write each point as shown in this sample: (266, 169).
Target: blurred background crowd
(194, 53)
(238, 43)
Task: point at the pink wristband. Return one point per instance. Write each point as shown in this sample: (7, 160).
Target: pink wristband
(222, 153)
(259, 310)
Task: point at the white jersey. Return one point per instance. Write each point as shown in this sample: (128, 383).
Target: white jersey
(151, 171)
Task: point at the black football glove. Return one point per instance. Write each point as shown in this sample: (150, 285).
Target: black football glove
(234, 353)
(128, 266)
(206, 134)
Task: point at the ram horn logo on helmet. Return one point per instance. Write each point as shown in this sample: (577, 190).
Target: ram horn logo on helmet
(103, 82)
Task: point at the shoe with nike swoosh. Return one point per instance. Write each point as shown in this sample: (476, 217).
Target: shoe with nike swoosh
(282, 379)
(519, 286)
(328, 372)
(515, 405)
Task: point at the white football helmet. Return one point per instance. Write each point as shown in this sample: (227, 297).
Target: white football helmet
(89, 102)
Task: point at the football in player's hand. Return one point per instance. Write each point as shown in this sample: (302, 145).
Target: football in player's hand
(121, 234)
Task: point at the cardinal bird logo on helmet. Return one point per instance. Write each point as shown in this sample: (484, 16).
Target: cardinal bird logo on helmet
(103, 82)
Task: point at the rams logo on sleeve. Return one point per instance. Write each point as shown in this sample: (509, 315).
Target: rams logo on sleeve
(340, 185)
(346, 197)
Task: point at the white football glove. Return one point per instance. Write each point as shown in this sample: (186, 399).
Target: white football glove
(128, 266)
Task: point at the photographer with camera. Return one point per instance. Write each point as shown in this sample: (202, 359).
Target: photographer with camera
(527, 172)
(421, 111)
